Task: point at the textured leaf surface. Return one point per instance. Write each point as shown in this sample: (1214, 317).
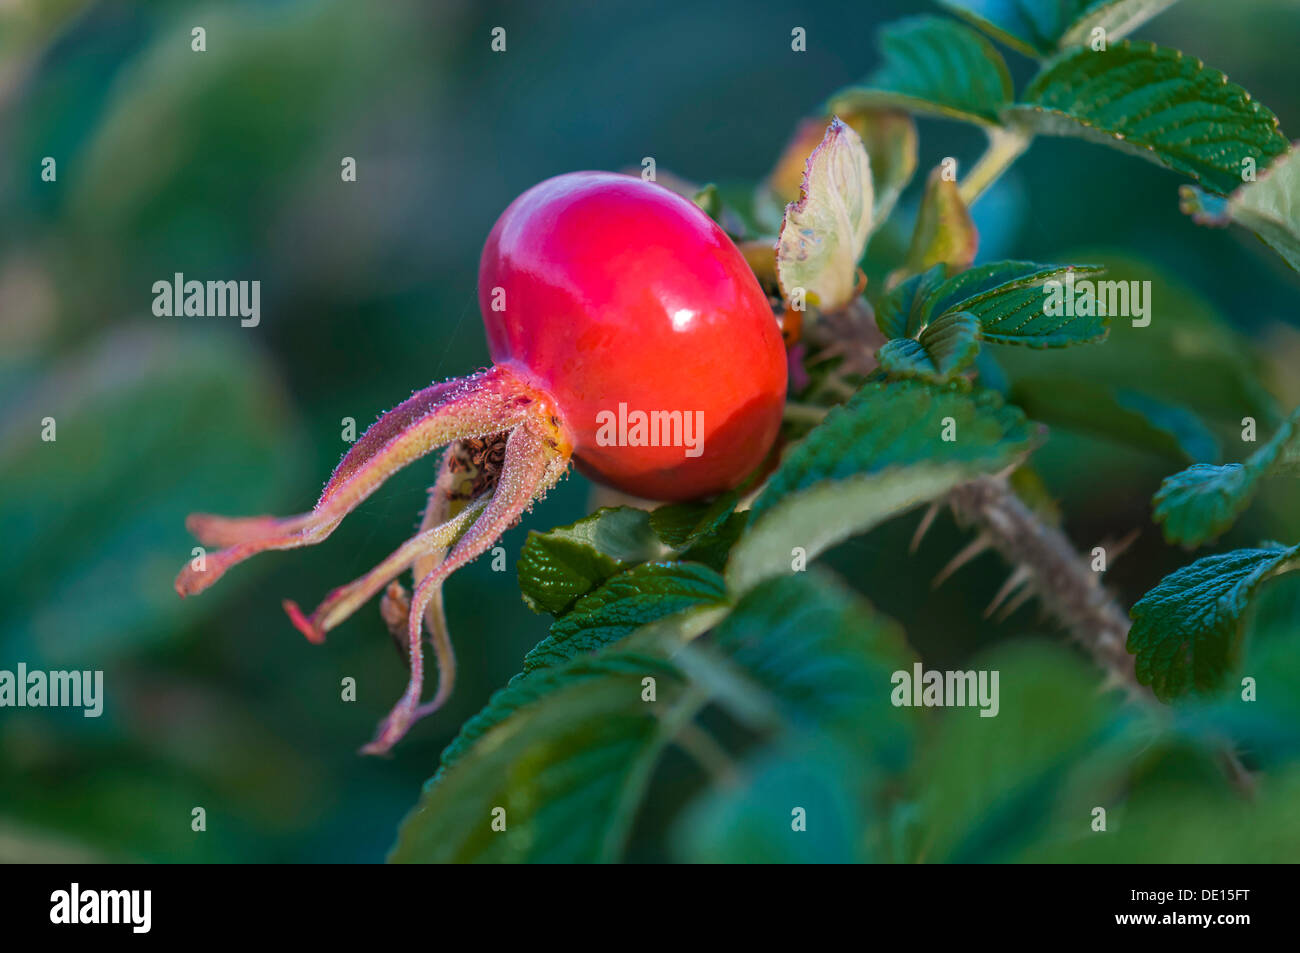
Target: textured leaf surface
(1203, 501)
(637, 597)
(874, 457)
(1041, 27)
(901, 313)
(567, 754)
(1186, 631)
(1011, 303)
(935, 66)
(944, 348)
(1156, 103)
(825, 232)
(1269, 207)
(561, 565)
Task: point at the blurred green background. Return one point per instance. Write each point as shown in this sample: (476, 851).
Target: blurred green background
(225, 165)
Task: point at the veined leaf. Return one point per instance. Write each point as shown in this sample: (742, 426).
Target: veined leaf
(821, 661)
(566, 754)
(561, 565)
(944, 232)
(901, 313)
(1269, 207)
(1187, 357)
(1041, 27)
(641, 595)
(935, 66)
(1156, 103)
(1014, 305)
(876, 456)
(1186, 631)
(825, 232)
(1203, 501)
(946, 346)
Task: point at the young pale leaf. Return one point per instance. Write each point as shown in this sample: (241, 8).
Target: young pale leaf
(1042, 27)
(901, 313)
(934, 66)
(1269, 207)
(946, 347)
(1155, 103)
(566, 754)
(559, 566)
(944, 233)
(891, 447)
(888, 135)
(1187, 630)
(1200, 503)
(825, 232)
(637, 597)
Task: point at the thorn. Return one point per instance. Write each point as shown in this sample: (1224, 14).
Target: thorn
(1014, 581)
(923, 527)
(1023, 596)
(1117, 549)
(968, 552)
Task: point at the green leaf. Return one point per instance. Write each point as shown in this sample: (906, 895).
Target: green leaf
(944, 232)
(1115, 413)
(824, 657)
(825, 232)
(701, 532)
(566, 753)
(935, 66)
(876, 456)
(946, 346)
(561, 565)
(1041, 27)
(1186, 631)
(976, 285)
(1155, 103)
(1269, 207)
(637, 597)
(1200, 503)
(819, 659)
(681, 524)
(991, 784)
(1187, 357)
(901, 312)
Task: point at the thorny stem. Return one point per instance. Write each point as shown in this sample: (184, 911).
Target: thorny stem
(1067, 587)
(1004, 148)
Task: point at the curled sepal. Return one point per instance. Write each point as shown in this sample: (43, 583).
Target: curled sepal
(482, 403)
(825, 232)
(535, 458)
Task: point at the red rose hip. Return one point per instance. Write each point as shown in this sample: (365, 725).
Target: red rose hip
(627, 334)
